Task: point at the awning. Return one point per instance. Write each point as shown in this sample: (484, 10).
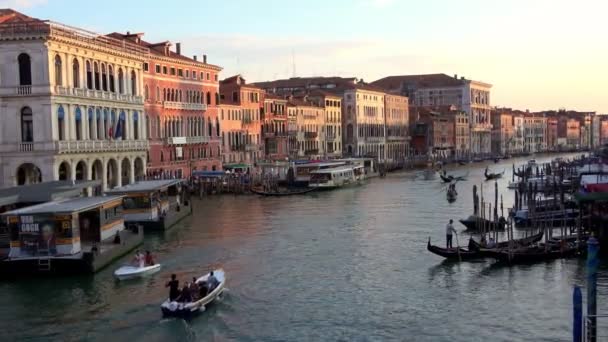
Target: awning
(201, 173)
(235, 166)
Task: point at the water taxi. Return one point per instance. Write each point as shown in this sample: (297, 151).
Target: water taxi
(184, 310)
(337, 177)
(303, 171)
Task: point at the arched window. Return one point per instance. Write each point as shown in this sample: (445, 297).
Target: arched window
(217, 127)
(208, 98)
(210, 128)
(146, 95)
(25, 69)
(60, 123)
(96, 74)
(89, 75)
(111, 73)
(104, 78)
(27, 125)
(58, 73)
(164, 94)
(162, 156)
(121, 86)
(133, 83)
(217, 99)
(157, 94)
(121, 131)
(78, 122)
(75, 73)
(180, 96)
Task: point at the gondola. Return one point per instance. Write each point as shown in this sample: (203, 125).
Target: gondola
(282, 193)
(453, 253)
(474, 223)
(474, 245)
(446, 178)
(492, 176)
(533, 253)
(451, 195)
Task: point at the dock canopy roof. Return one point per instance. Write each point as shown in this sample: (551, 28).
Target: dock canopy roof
(201, 173)
(145, 186)
(66, 206)
(44, 192)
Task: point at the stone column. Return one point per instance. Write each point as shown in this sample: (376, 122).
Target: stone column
(95, 128)
(104, 175)
(72, 170)
(119, 171)
(132, 173)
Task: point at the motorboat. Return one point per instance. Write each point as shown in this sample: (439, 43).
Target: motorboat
(132, 272)
(175, 309)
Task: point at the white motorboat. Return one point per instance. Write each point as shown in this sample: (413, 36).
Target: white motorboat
(175, 309)
(132, 272)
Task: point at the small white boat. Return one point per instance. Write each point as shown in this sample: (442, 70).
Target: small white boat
(132, 272)
(175, 309)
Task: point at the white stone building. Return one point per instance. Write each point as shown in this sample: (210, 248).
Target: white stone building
(71, 104)
(434, 90)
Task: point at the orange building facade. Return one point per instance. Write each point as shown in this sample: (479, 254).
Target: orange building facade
(181, 97)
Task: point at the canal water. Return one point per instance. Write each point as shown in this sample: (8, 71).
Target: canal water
(347, 265)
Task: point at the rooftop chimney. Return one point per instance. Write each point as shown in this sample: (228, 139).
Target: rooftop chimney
(205, 59)
(195, 58)
(178, 48)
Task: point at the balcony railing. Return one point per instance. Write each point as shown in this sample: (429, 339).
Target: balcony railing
(310, 135)
(481, 127)
(24, 90)
(330, 136)
(311, 152)
(252, 147)
(25, 147)
(98, 94)
(184, 105)
(269, 134)
(81, 146)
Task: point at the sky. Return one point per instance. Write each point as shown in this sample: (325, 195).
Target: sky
(537, 54)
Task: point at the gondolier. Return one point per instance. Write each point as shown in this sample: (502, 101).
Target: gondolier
(449, 230)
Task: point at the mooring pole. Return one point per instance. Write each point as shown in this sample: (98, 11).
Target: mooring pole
(577, 317)
(592, 263)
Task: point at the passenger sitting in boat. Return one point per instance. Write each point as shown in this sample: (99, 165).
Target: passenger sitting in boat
(491, 243)
(194, 289)
(173, 286)
(149, 259)
(483, 241)
(203, 289)
(185, 296)
(139, 259)
(212, 282)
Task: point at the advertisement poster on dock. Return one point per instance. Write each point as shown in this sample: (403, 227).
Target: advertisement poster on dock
(37, 235)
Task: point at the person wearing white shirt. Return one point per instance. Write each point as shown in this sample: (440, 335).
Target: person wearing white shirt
(449, 230)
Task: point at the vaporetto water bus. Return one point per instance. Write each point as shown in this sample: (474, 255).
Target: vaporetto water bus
(337, 177)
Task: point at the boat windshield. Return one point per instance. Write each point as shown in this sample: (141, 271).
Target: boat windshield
(320, 177)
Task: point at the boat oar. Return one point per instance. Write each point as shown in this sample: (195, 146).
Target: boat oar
(458, 248)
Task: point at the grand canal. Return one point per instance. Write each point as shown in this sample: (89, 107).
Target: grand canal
(347, 265)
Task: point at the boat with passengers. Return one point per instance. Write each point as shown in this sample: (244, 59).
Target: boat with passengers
(337, 177)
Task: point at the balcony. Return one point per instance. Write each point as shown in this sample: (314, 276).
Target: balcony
(98, 95)
(481, 127)
(311, 135)
(86, 146)
(311, 152)
(252, 147)
(330, 136)
(269, 135)
(184, 106)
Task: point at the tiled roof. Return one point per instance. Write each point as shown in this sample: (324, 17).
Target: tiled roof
(153, 51)
(8, 15)
(305, 82)
(418, 81)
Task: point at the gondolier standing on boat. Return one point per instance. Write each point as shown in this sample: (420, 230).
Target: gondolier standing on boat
(449, 230)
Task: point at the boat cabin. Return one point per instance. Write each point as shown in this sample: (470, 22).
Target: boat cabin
(149, 202)
(370, 165)
(303, 171)
(63, 228)
(337, 176)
